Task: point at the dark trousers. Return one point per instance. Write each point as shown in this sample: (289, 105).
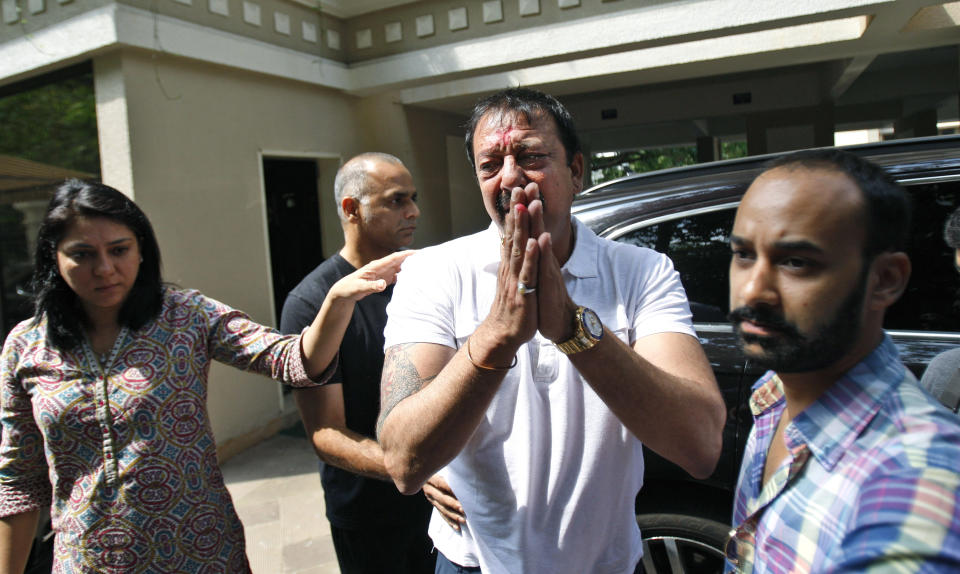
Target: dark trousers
(444, 566)
(383, 551)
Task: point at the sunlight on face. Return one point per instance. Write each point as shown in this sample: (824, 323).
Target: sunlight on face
(99, 259)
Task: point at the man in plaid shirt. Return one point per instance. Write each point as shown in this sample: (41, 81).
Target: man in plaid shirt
(850, 466)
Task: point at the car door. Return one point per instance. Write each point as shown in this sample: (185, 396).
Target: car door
(688, 215)
(926, 319)
(696, 240)
(925, 322)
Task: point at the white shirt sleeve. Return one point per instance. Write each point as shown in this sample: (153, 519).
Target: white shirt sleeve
(421, 309)
(661, 305)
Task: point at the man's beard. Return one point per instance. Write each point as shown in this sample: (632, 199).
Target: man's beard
(789, 350)
(502, 205)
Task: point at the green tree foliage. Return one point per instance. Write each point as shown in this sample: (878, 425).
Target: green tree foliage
(55, 124)
(732, 149)
(607, 166)
(611, 165)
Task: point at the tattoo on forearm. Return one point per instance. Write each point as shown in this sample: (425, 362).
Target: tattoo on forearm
(400, 380)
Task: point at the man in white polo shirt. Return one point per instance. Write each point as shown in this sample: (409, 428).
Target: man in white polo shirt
(526, 363)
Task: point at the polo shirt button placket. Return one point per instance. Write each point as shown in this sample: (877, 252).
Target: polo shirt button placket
(548, 356)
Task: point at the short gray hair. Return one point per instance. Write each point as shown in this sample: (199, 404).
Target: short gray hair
(352, 178)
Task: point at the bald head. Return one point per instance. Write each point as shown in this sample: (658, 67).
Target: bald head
(354, 177)
(817, 209)
(886, 207)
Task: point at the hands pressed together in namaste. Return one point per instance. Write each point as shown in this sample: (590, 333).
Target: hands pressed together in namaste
(531, 295)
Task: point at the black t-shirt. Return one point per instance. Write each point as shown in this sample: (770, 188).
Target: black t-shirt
(355, 501)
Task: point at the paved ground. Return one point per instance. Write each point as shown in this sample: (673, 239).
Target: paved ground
(276, 489)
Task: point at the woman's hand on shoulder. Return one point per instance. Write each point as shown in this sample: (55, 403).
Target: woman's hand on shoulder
(371, 278)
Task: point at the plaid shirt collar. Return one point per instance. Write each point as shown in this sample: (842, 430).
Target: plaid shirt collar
(835, 420)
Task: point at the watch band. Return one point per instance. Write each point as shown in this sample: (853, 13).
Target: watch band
(582, 338)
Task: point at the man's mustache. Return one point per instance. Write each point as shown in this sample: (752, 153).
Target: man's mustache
(503, 203)
(764, 317)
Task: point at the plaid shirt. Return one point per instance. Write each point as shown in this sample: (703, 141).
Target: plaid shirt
(871, 482)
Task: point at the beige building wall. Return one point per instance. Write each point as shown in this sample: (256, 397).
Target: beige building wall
(417, 136)
(196, 132)
(467, 211)
(186, 140)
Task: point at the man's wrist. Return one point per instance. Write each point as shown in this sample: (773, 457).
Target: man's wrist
(568, 319)
(488, 348)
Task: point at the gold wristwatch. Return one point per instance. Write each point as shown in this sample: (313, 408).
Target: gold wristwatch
(587, 331)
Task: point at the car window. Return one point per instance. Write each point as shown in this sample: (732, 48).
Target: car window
(932, 299)
(698, 245)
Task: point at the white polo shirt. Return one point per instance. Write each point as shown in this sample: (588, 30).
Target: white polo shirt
(549, 478)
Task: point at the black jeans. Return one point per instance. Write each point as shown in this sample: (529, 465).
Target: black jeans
(383, 551)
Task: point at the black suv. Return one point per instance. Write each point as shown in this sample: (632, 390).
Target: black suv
(687, 213)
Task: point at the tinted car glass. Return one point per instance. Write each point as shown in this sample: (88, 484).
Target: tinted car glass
(698, 245)
(932, 301)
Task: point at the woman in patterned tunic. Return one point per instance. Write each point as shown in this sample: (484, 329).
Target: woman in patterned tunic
(103, 399)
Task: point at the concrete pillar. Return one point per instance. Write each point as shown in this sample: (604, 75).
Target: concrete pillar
(467, 213)
(918, 124)
(756, 135)
(790, 137)
(113, 123)
(823, 125)
(790, 129)
(708, 149)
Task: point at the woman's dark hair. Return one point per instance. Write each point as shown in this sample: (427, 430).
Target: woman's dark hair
(528, 104)
(51, 294)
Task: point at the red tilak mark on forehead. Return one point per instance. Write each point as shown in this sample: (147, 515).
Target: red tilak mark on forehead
(505, 136)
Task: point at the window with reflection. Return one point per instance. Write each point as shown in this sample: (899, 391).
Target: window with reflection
(48, 133)
(700, 250)
(932, 299)
(698, 245)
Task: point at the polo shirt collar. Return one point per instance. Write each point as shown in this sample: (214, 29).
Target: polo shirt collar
(585, 259)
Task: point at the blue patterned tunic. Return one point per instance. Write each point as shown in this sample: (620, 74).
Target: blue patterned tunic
(126, 442)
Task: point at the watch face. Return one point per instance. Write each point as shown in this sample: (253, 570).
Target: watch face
(592, 323)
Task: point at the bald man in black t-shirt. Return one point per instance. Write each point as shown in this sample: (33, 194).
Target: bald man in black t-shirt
(375, 529)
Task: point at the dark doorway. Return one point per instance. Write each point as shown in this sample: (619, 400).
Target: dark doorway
(293, 220)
